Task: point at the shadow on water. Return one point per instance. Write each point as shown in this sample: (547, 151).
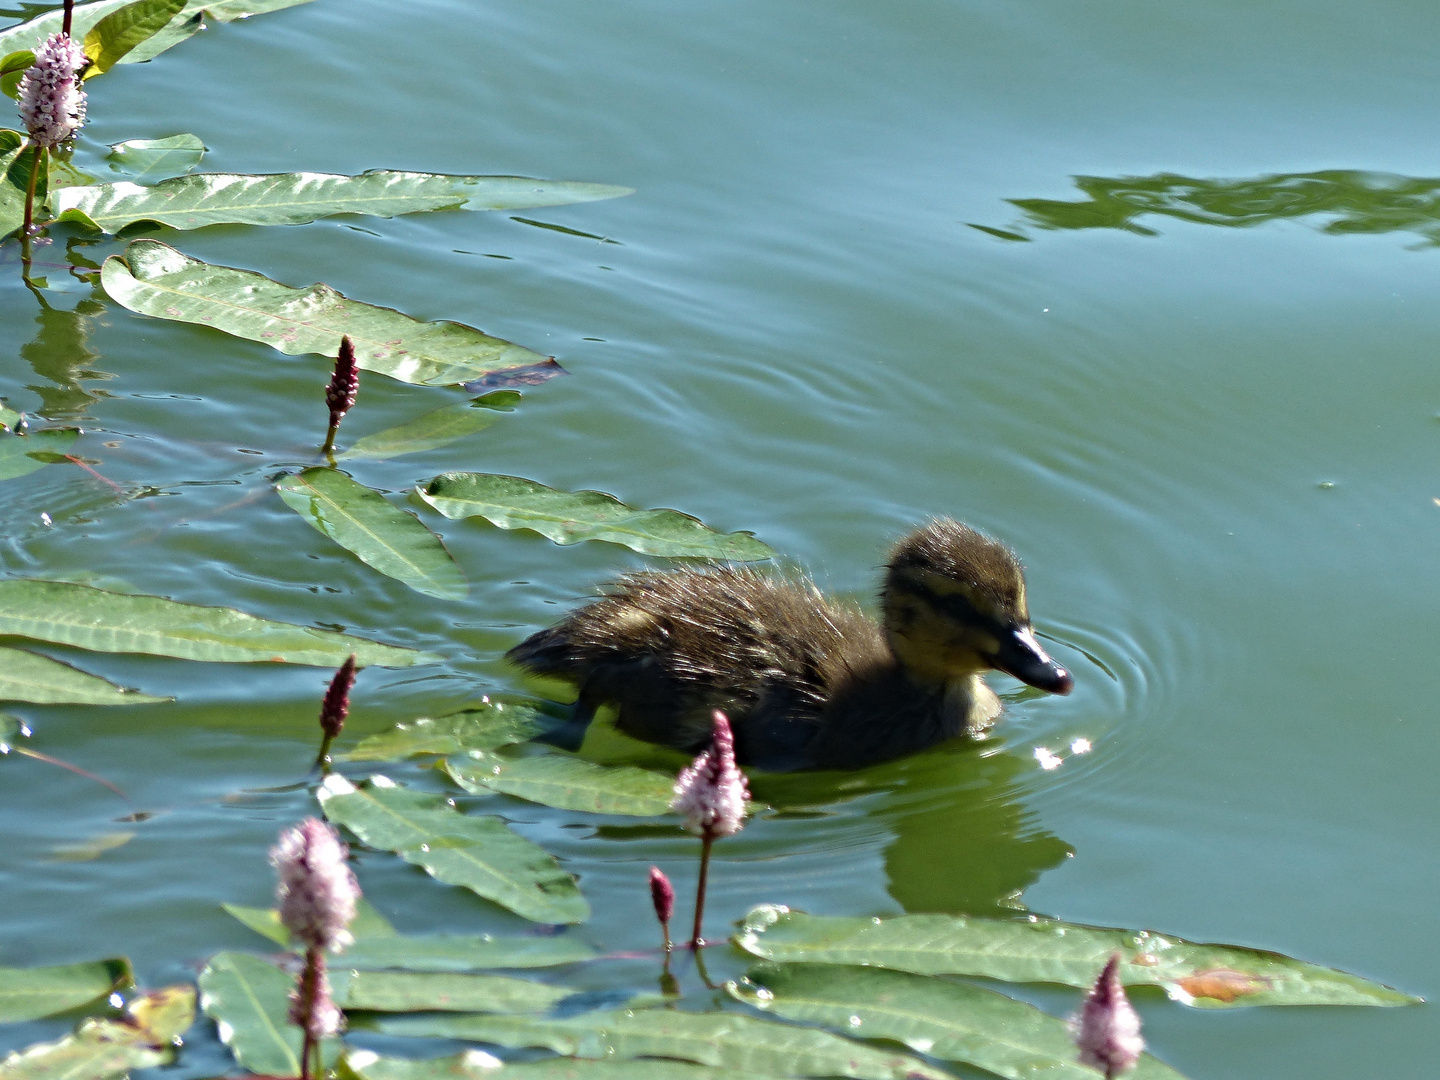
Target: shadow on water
(1348, 201)
(60, 354)
(962, 839)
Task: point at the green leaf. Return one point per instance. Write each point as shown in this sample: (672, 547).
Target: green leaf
(27, 676)
(104, 1049)
(478, 1065)
(1046, 950)
(726, 1040)
(569, 517)
(101, 621)
(14, 174)
(565, 782)
(9, 418)
(249, 1000)
(121, 31)
(465, 952)
(434, 428)
(479, 853)
(193, 202)
(30, 993)
(12, 69)
(380, 535)
(146, 159)
(488, 726)
(23, 454)
(414, 991)
(949, 1020)
(155, 279)
(368, 922)
(12, 729)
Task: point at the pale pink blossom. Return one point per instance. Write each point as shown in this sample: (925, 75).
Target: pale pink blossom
(1107, 1030)
(710, 794)
(52, 104)
(317, 891)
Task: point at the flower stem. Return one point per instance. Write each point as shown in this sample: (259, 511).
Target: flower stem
(696, 941)
(35, 161)
(329, 448)
(69, 11)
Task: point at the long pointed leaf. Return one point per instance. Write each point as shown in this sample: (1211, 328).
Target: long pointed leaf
(565, 782)
(193, 202)
(478, 1065)
(380, 535)
(122, 31)
(103, 621)
(723, 1039)
(948, 1020)
(568, 517)
(30, 993)
(479, 853)
(27, 676)
(249, 1000)
(1046, 950)
(444, 425)
(155, 279)
(154, 159)
(488, 726)
(415, 991)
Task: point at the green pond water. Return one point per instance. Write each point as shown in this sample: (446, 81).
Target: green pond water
(1191, 377)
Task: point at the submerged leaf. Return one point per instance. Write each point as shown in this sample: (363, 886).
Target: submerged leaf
(193, 202)
(531, 375)
(567, 517)
(414, 991)
(23, 454)
(953, 1021)
(147, 159)
(727, 1039)
(154, 279)
(31, 993)
(1046, 950)
(380, 535)
(144, 1038)
(566, 782)
(444, 425)
(479, 853)
(103, 621)
(488, 726)
(27, 676)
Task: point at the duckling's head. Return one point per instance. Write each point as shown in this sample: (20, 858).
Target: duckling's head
(954, 603)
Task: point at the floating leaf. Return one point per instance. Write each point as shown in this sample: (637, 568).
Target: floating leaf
(193, 202)
(26, 676)
(23, 454)
(101, 621)
(413, 991)
(30, 993)
(155, 279)
(9, 418)
(949, 1020)
(566, 782)
(1046, 950)
(488, 726)
(478, 1065)
(530, 375)
(12, 69)
(146, 159)
(368, 922)
(14, 176)
(727, 1040)
(480, 853)
(569, 517)
(249, 1000)
(380, 535)
(104, 1049)
(465, 952)
(122, 30)
(434, 428)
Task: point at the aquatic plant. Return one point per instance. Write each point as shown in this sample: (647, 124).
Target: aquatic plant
(710, 795)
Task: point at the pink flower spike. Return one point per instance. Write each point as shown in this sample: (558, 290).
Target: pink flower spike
(336, 705)
(710, 794)
(663, 895)
(52, 104)
(344, 383)
(317, 891)
(1107, 1031)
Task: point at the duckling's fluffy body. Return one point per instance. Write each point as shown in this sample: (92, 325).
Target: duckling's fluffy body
(805, 681)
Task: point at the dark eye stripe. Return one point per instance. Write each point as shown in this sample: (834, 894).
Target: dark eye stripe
(959, 608)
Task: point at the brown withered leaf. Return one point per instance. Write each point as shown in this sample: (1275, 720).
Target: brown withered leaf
(1222, 984)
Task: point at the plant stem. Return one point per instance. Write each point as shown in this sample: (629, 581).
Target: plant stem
(322, 760)
(329, 448)
(696, 941)
(35, 160)
(69, 11)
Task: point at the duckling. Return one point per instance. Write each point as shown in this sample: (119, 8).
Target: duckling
(805, 681)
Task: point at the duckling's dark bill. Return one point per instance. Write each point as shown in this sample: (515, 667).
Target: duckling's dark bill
(1020, 655)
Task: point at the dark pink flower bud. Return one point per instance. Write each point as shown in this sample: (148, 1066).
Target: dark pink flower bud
(711, 792)
(318, 891)
(344, 383)
(336, 705)
(1107, 1031)
(663, 895)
